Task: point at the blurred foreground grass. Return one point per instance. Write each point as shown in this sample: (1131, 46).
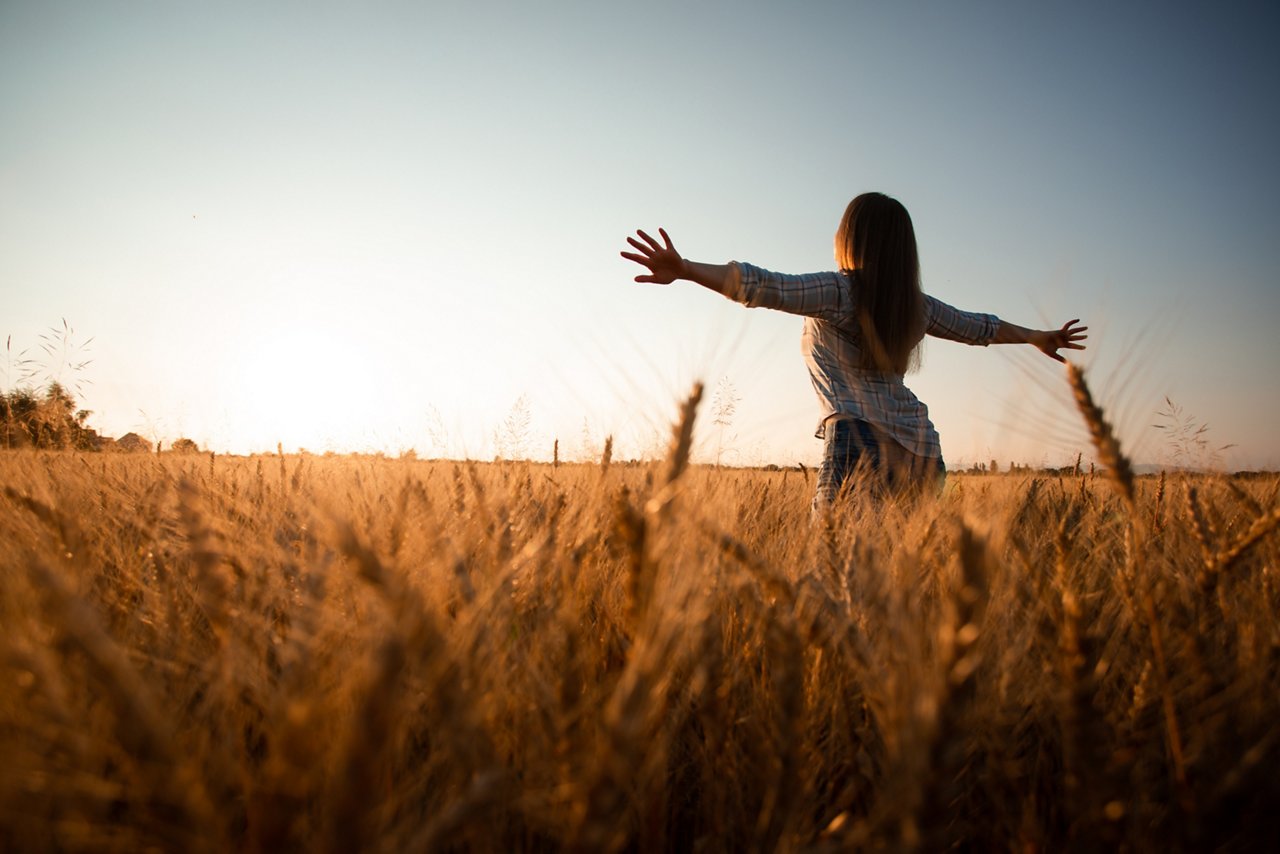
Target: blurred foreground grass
(346, 654)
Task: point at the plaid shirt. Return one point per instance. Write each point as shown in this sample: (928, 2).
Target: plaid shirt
(828, 302)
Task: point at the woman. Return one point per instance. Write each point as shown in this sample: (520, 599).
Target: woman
(862, 330)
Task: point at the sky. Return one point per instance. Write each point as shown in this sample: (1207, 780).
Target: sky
(391, 226)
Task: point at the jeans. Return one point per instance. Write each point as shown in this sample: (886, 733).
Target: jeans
(857, 455)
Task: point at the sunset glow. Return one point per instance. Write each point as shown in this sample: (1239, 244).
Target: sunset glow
(333, 227)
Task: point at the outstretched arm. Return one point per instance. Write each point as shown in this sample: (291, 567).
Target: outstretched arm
(823, 295)
(666, 264)
(1048, 341)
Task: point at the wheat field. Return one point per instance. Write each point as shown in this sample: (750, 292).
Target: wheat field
(206, 653)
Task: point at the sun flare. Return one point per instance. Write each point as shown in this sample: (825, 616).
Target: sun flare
(295, 384)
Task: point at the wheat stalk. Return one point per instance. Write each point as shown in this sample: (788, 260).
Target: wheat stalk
(1119, 469)
(511, 658)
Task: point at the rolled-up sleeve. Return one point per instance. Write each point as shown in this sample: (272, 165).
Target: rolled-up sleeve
(944, 321)
(824, 295)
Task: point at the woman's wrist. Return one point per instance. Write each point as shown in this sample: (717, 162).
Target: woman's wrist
(1012, 333)
(711, 276)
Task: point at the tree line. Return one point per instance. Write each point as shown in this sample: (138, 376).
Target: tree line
(52, 420)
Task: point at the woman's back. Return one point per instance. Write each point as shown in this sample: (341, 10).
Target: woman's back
(833, 341)
(862, 329)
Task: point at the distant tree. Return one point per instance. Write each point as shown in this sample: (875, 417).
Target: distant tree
(48, 421)
(19, 414)
(994, 467)
(48, 418)
(133, 443)
(185, 446)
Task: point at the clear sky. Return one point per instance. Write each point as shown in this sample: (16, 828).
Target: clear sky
(369, 226)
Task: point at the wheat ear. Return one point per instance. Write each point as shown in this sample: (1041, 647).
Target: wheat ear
(1120, 473)
(1103, 435)
(678, 457)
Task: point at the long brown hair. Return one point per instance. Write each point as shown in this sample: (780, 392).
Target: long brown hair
(876, 244)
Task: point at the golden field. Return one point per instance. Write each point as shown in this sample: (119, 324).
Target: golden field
(207, 653)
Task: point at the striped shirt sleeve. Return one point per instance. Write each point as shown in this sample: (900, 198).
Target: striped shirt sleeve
(822, 295)
(827, 296)
(944, 321)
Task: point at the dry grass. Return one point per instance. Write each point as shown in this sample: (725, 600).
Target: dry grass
(352, 654)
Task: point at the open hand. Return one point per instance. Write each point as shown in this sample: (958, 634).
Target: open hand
(664, 262)
(1052, 340)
